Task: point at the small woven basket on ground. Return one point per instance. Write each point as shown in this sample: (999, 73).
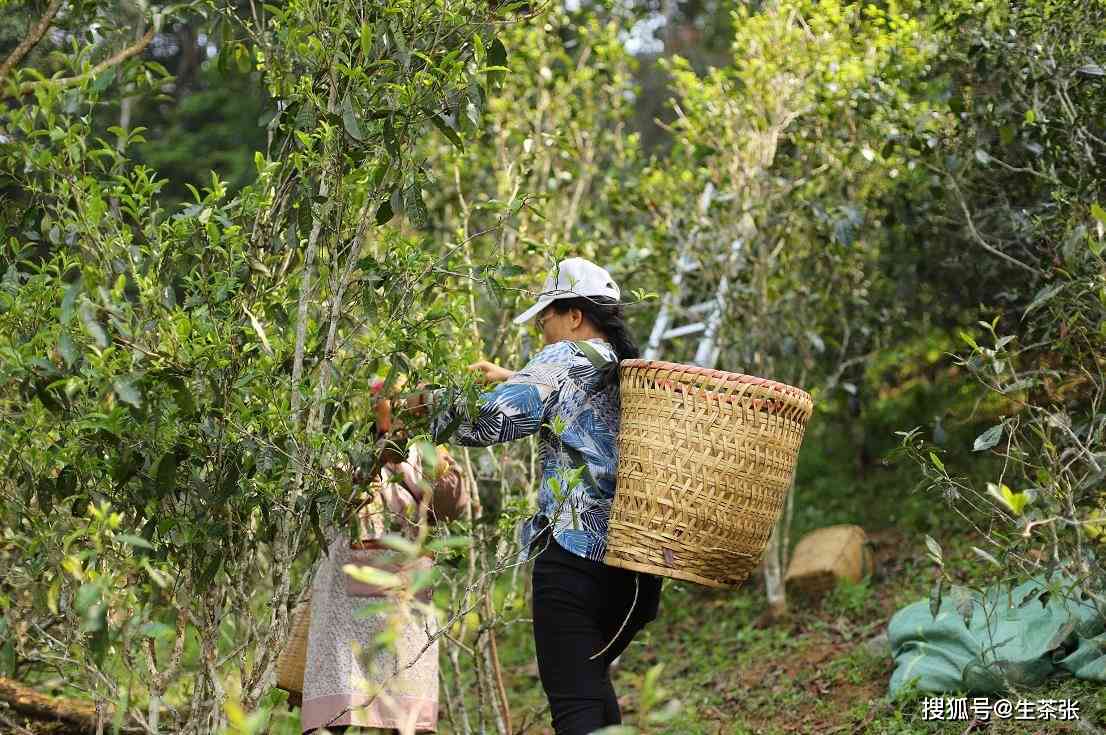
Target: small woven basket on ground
(293, 658)
(705, 460)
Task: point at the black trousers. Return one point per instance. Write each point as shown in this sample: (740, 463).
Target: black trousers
(579, 607)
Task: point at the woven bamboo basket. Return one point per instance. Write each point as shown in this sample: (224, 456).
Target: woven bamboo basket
(293, 658)
(705, 460)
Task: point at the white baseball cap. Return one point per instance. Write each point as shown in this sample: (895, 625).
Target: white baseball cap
(573, 277)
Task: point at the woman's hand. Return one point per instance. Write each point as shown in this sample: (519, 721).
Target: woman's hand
(446, 464)
(491, 373)
(382, 408)
(417, 404)
(391, 435)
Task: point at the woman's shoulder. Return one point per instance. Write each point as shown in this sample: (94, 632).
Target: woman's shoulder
(569, 350)
(556, 353)
(563, 359)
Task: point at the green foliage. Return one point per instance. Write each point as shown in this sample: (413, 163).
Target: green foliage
(1024, 171)
(185, 356)
(217, 125)
(849, 598)
(188, 383)
(786, 158)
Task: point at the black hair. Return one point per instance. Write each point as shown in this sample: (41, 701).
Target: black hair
(608, 317)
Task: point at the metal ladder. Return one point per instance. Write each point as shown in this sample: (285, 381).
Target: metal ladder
(694, 321)
(672, 307)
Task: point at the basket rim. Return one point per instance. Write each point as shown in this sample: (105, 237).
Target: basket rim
(723, 374)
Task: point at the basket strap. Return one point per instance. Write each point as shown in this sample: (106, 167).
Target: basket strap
(605, 366)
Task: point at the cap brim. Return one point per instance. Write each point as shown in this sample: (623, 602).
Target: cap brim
(533, 311)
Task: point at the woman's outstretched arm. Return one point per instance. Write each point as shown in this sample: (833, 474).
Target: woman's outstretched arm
(514, 409)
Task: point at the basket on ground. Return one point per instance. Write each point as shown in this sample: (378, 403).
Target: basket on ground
(705, 460)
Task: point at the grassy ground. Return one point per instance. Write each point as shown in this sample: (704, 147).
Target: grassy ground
(822, 672)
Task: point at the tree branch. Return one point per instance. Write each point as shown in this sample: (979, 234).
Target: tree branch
(32, 39)
(979, 238)
(132, 50)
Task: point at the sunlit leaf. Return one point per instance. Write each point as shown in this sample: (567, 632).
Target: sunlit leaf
(127, 391)
(1014, 502)
(984, 555)
(373, 576)
(130, 540)
(400, 544)
(934, 549)
(91, 325)
(988, 439)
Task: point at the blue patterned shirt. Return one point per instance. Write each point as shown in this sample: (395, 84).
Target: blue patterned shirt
(560, 381)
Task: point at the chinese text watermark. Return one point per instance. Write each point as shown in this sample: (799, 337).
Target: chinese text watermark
(984, 709)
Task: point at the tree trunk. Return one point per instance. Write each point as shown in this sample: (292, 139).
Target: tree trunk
(773, 566)
(78, 714)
